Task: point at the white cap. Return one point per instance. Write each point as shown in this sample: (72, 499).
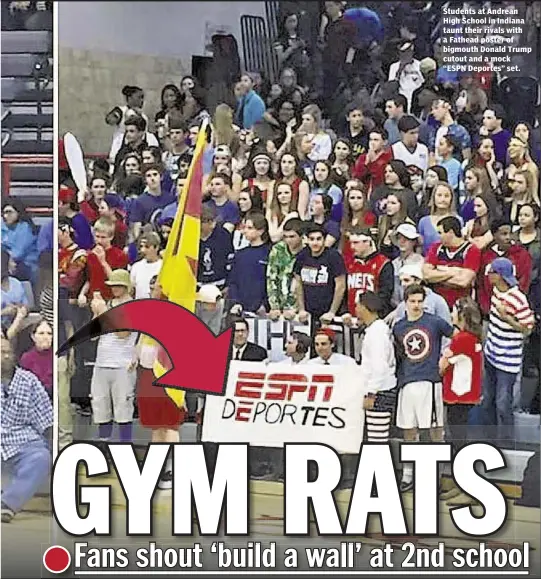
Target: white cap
(408, 230)
(208, 294)
(413, 270)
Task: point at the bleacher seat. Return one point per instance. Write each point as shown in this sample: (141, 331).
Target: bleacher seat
(28, 121)
(35, 173)
(10, 88)
(25, 41)
(25, 95)
(18, 65)
(27, 147)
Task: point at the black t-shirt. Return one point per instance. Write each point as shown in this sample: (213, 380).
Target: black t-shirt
(359, 142)
(318, 275)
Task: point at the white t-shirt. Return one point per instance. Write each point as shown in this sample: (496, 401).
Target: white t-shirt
(120, 129)
(378, 365)
(410, 79)
(141, 273)
(419, 157)
(322, 147)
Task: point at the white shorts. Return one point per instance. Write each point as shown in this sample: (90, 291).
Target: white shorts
(112, 392)
(420, 405)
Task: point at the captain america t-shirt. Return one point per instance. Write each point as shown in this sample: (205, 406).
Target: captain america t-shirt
(318, 276)
(419, 348)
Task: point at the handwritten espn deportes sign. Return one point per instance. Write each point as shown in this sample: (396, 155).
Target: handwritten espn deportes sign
(269, 405)
(273, 336)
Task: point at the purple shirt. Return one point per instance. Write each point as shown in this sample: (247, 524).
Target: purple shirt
(501, 142)
(83, 237)
(142, 208)
(226, 213)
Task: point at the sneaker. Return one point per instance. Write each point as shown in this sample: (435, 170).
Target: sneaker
(84, 411)
(166, 481)
(406, 485)
(7, 514)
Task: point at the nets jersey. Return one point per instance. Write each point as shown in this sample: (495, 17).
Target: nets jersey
(363, 276)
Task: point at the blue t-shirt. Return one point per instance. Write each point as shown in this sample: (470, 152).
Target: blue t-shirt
(419, 346)
(226, 213)
(142, 208)
(21, 243)
(169, 212)
(14, 294)
(248, 277)
(215, 257)
(45, 237)
(454, 171)
(318, 276)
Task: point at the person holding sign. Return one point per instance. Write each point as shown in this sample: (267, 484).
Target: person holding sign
(324, 344)
(297, 350)
(242, 348)
(378, 368)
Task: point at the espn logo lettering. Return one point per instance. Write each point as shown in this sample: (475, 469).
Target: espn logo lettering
(276, 397)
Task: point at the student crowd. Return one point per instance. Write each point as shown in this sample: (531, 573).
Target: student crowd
(369, 183)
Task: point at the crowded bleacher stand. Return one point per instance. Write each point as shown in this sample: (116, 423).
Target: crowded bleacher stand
(359, 181)
(27, 251)
(362, 181)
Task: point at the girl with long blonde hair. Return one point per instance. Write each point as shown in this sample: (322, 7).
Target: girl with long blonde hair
(282, 208)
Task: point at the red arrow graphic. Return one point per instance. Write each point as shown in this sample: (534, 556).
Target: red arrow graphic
(199, 359)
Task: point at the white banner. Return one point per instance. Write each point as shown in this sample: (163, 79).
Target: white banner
(268, 405)
(273, 336)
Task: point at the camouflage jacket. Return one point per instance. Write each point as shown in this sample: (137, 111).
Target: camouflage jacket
(280, 281)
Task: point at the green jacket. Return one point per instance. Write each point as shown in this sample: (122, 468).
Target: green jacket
(280, 290)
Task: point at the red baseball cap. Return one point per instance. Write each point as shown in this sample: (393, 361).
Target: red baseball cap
(67, 195)
(327, 332)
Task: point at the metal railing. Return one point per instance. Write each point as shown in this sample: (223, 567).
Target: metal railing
(257, 47)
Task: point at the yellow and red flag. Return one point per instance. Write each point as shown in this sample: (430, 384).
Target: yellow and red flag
(178, 276)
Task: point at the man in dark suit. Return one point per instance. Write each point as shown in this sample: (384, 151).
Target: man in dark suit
(242, 349)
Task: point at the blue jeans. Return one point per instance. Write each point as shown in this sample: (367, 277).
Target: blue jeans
(29, 469)
(497, 402)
